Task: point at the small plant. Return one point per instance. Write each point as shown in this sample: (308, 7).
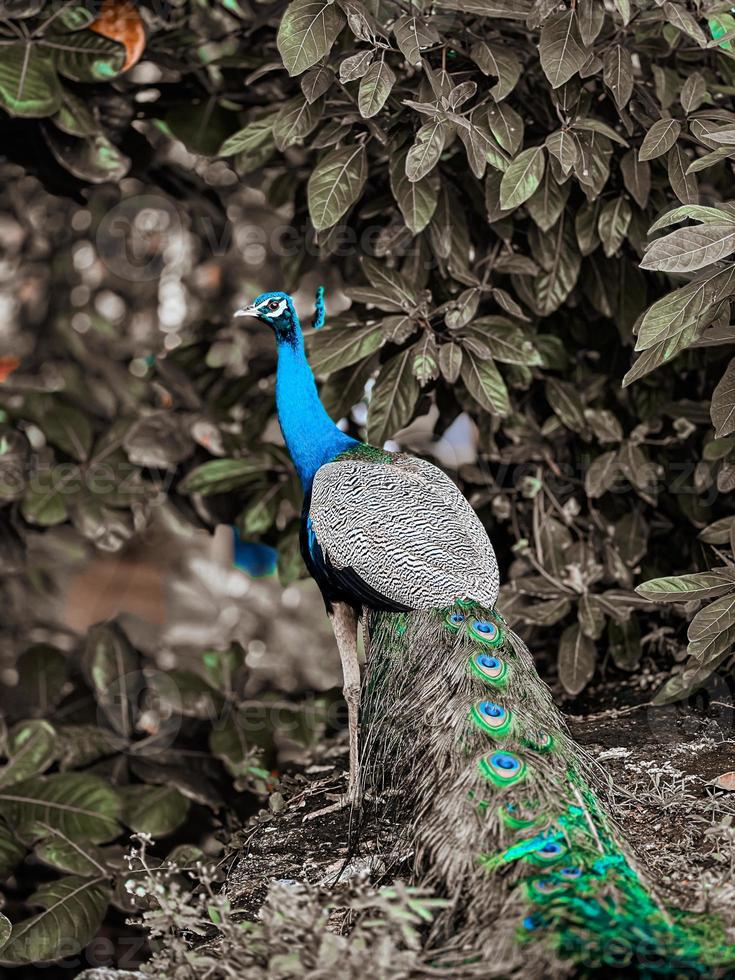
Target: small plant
(354, 929)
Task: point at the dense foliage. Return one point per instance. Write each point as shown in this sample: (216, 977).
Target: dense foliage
(520, 211)
(484, 181)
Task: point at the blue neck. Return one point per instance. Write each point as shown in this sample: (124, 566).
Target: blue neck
(312, 438)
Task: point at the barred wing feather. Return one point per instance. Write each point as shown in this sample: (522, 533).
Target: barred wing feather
(405, 529)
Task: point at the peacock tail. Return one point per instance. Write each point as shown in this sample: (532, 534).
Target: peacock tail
(509, 818)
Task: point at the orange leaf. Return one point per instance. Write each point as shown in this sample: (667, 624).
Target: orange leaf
(120, 21)
(8, 364)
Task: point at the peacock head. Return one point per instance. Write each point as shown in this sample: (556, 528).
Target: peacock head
(278, 311)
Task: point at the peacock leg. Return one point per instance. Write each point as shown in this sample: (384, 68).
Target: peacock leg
(344, 624)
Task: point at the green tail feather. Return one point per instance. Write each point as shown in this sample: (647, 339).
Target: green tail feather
(510, 818)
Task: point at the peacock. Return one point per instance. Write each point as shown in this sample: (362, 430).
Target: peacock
(509, 818)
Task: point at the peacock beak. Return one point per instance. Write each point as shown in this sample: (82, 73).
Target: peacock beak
(247, 311)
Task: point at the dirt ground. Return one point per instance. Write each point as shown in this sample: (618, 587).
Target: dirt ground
(663, 761)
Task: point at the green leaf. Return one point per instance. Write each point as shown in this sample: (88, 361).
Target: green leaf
(42, 671)
(659, 139)
(548, 290)
(80, 745)
(295, 120)
(393, 398)
(73, 857)
(416, 199)
(94, 158)
(479, 143)
(86, 56)
(113, 668)
(576, 659)
(375, 87)
(684, 22)
(29, 85)
(485, 383)
(693, 92)
(73, 910)
(547, 204)
(252, 137)
(184, 692)
(63, 425)
(45, 500)
(591, 616)
(717, 617)
(74, 117)
(683, 184)
(12, 852)
(391, 284)
(332, 348)
(522, 178)
(425, 152)
(561, 50)
(239, 742)
(614, 221)
(307, 31)
(450, 362)
(636, 177)
(355, 66)
(412, 36)
(618, 73)
(601, 475)
(698, 212)
(590, 16)
(31, 749)
(718, 532)
(494, 59)
(316, 82)
(671, 315)
(6, 927)
(682, 588)
(335, 184)
(689, 249)
(565, 401)
(722, 408)
(507, 341)
(223, 475)
(81, 806)
(154, 810)
(426, 359)
(624, 643)
(563, 146)
(591, 125)
(506, 126)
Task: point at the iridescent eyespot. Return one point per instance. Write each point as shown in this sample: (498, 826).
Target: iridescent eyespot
(570, 872)
(547, 853)
(491, 718)
(541, 742)
(454, 620)
(486, 632)
(520, 816)
(502, 768)
(489, 668)
(547, 886)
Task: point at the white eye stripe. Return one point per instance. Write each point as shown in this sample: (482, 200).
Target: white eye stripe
(272, 313)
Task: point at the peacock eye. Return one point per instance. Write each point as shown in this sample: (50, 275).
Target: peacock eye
(273, 305)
